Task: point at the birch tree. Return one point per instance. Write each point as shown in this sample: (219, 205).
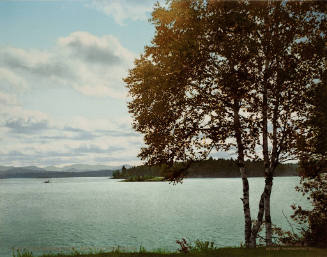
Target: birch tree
(190, 86)
(290, 42)
(218, 75)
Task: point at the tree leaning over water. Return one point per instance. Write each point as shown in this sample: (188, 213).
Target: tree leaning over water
(225, 76)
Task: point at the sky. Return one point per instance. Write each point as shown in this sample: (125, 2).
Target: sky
(62, 97)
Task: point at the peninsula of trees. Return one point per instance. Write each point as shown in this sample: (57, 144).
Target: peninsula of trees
(211, 168)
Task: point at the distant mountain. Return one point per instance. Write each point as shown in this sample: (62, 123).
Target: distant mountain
(54, 174)
(20, 171)
(3, 168)
(75, 170)
(83, 167)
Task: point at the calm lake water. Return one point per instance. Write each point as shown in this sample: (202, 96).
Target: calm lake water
(102, 213)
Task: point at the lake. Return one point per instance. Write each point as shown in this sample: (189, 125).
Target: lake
(102, 213)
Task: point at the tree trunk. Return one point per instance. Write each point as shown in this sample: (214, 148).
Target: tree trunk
(268, 186)
(246, 208)
(268, 175)
(245, 182)
(257, 225)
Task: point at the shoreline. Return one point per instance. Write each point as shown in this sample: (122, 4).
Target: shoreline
(136, 181)
(280, 251)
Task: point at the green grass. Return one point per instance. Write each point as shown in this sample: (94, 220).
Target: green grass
(221, 252)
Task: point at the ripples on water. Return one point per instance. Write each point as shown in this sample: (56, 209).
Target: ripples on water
(102, 213)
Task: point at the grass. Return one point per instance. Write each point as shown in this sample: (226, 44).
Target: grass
(216, 252)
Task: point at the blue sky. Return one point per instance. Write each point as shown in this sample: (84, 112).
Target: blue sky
(62, 99)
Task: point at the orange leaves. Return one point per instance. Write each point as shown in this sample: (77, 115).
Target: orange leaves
(208, 58)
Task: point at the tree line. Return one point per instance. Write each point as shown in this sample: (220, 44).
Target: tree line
(211, 168)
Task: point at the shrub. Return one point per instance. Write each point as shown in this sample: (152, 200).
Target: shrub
(22, 253)
(198, 247)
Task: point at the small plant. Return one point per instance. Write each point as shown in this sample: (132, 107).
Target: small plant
(142, 249)
(75, 252)
(22, 253)
(116, 249)
(184, 246)
(198, 247)
(203, 246)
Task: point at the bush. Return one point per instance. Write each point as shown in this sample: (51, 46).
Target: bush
(22, 253)
(314, 221)
(311, 223)
(198, 247)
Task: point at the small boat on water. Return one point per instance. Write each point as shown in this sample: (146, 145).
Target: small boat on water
(47, 181)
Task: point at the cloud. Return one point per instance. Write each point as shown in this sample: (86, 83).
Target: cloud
(26, 126)
(122, 10)
(118, 133)
(33, 61)
(92, 65)
(32, 138)
(64, 152)
(96, 149)
(16, 154)
(104, 50)
(80, 136)
(8, 99)
(12, 79)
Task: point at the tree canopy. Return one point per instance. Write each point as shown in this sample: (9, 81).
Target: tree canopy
(208, 58)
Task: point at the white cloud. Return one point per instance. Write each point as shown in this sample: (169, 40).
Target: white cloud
(122, 10)
(11, 79)
(91, 65)
(8, 99)
(104, 50)
(30, 137)
(27, 125)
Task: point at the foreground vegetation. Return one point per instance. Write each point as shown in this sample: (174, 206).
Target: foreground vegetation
(221, 252)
